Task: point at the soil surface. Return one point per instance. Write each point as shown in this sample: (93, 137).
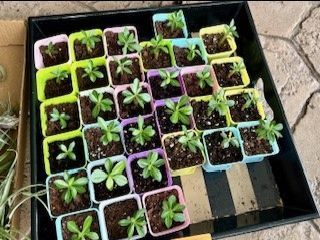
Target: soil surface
(125, 78)
(211, 43)
(159, 92)
(85, 83)
(193, 88)
(165, 30)
(112, 45)
(61, 55)
(73, 123)
(222, 73)
(150, 62)
(53, 89)
(81, 51)
(57, 166)
(181, 57)
(218, 155)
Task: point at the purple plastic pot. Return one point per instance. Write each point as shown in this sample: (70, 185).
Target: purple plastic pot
(137, 156)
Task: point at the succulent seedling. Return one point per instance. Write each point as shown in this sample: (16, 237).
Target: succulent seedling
(110, 131)
(229, 140)
(134, 223)
(123, 65)
(251, 100)
(67, 152)
(128, 41)
(172, 211)
(59, 74)
(192, 51)
(175, 20)
(179, 111)
(51, 50)
(71, 187)
(219, 103)
(89, 39)
(101, 104)
(236, 68)
(143, 133)
(269, 130)
(190, 140)
(151, 165)
(83, 232)
(169, 78)
(136, 95)
(204, 78)
(229, 32)
(113, 175)
(157, 45)
(56, 116)
(92, 72)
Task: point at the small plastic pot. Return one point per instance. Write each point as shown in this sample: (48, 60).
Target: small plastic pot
(181, 201)
(104, 204)
(137, 156)
(38, 59)
(207, 166)
(257, 157)
(101, 162)
(216, 30)
(244, 74)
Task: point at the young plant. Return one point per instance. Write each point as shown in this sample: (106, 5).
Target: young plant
(123, 65)
(83, 232)
(151, 165)
(175, 20)
(128, 41)
(229, 32)
(63, 118)
(236, 67)
(169, 78)
(71, 187)
(204, 78)
(180, 111)
(101, 104)
(251, 100)
(219, 103)
(51, 50)
(190, 140)
(113, 176)
(60, 75)
(269, 130)
(90, 40)
(92, 72)
(229, 140)
(135, 222)
(110, 131)
(136, 95)
(142, 134)
(67, 152)
(157, 45)
(172, 211)
(192, 51)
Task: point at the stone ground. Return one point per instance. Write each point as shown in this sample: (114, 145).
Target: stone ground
(290, 36)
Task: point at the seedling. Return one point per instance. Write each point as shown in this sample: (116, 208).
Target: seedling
(204, 78)
(63, 118)
(90, 40)
(92, 72)
(192, 51)
(135, 222)
(269, 130)
(151, 165)
(219, 103)
(236, 67)
(175, 20)
(101, 104)
(229, 32)
(251, 100)
(179, 111)
(71, 187)
(172, 211)
(190, 140)
(51, 50)
(123, 65)
(142, 134)
(59, 74)
(229, 140)
(113, 176)
(110, 131)
(136, 95)
(169, 78)
(83, 232)
(128, 41)
(157, 45)
(67, 152)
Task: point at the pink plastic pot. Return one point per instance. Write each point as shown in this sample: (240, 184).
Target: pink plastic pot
(181, 201)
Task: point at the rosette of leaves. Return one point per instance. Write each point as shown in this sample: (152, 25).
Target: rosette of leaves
(151, 165)
(136, 95)
(89, 39)
(219, 103)
(62, 118)
(59, 74)
(143, 133)
(101, 104)
(128, 42)
(175, 20)
(179, 111)
(228, 139)
(229, 32)
(134, 223)
(82, 232)
(92, 72)
(157, 45)
(110, 131)
(269, 130)
(192, 51)
(123, 65)
(190, 140)
(236, 67)
(169, 78)
(67, 152)
(50, 51)
(172, 211)
(204, 78)
(251, 100)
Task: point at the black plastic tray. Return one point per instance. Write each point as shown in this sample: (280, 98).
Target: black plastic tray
(298, 204)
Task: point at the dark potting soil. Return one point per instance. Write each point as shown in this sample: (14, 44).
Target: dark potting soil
(96, 148)
(180, 157)
(125, 78)
(211, 43)
(81, 51)
(165, 30)
(181, 57)
(57, 166)
(102, 193)
(159, 92)
(248, 114)
(252, 144)
(116, 212)
(202, 120)
(193, 88)
(57, 204)
(85, 83)
(87, 107)
(150, 62)
(218, 155)
(143, 185)
(53, 89)
(112, 45)
(132, 146)
(73, 123)
(79, 220)
(61, 55)
(222, 73)
(154, 210)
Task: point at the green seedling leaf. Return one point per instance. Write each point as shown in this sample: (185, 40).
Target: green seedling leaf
(179, 111)
(92, 72)
(204, 78)
(190, 140)
(269, 130)
(169, 78)
(136, 95)
(101, 104)
(172, 211)
(56, 116)
(175, 20)
(142, 134)
(67, 152)
(110, 131)
(151, 165)
(90, 40)
(134, 223)
(157, 45)
(219, 103)
(128, 42)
